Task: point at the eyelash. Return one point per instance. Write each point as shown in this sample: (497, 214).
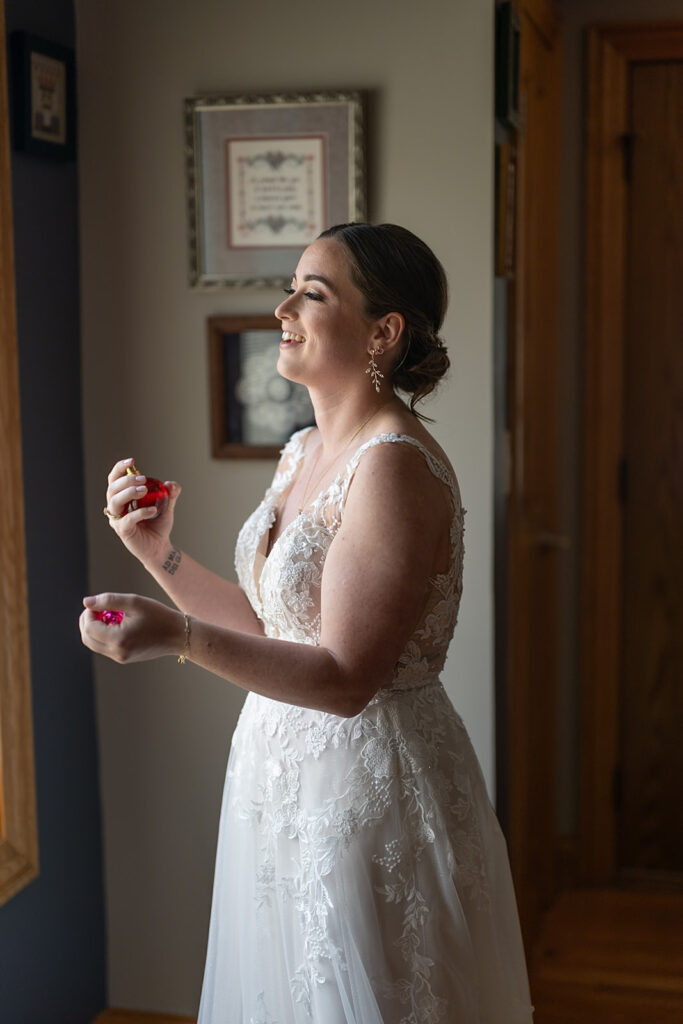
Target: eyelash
(309, 295)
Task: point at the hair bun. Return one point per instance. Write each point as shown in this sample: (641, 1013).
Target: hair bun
(419, 378)
(397, 272)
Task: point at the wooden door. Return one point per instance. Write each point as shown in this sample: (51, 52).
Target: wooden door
(633, 498)
(650, 768)
(610, 951)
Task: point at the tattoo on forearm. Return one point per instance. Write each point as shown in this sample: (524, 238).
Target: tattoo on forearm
(172, 562)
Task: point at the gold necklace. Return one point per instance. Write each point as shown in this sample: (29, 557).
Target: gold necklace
(311, 488)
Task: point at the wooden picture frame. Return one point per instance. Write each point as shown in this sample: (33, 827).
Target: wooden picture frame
(265, 175)
(253, 409)
(43, 97)
(508, 41)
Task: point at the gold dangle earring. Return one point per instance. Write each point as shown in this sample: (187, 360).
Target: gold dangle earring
(373, 369)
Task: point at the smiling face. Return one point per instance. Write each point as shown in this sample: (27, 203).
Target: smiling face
(326, 335)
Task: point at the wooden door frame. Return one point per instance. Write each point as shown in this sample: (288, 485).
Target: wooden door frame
(18, 822)
(532, 540)
(612, 49)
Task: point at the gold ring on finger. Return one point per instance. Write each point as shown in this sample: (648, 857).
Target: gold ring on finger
(109, 514)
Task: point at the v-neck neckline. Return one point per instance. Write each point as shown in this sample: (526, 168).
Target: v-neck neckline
(277, 502)
(265, 547)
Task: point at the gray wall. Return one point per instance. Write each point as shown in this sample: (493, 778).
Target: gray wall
(52, 955)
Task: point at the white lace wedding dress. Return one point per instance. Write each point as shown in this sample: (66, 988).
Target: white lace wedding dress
(361, 875)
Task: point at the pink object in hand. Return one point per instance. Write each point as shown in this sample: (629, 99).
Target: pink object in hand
(110, 617)
(157, 494)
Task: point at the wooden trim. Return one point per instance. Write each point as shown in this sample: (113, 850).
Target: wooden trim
(532, 509)
(113, 1016)
(605, 220)
(611, 49)
(18, 824)
(546, 18)
(641, 40)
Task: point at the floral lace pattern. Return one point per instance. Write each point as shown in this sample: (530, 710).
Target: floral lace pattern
(284, 588)
(358, 834)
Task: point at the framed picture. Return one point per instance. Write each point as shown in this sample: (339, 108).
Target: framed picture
(253, 409)
(265, 175)
(508, 34)
(43, 97)
(506, 199)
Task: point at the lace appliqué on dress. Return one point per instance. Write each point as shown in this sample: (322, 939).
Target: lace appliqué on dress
(395, 760)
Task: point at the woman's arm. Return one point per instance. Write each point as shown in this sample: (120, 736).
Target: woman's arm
(393, 537)
(202, 593)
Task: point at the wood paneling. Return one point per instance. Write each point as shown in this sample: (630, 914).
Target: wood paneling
(651, 702)
(18, 828)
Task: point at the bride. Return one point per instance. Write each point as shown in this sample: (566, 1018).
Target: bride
(361, 875)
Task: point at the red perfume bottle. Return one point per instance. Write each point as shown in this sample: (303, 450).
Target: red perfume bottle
(157, 494)
(110, 617)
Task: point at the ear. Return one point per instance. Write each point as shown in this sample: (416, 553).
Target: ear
(387, 332)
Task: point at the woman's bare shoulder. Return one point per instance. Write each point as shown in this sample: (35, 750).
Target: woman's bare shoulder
(399, 477)
(406, 424)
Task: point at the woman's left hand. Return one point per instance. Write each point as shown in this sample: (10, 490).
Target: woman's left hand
(148, 629)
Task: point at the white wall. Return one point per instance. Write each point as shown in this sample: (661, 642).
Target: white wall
(165, 730)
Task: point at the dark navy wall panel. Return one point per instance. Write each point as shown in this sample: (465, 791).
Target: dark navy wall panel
(52, 954)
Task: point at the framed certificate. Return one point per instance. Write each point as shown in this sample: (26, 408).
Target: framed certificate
(265, 175)
(43, 97)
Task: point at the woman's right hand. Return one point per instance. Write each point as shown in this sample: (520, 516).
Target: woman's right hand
(145, 534)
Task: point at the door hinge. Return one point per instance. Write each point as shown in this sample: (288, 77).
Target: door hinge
(627, 139)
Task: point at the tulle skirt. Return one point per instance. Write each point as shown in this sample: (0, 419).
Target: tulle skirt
(361, 874)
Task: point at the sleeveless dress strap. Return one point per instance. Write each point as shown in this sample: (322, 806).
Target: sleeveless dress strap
(435, 464)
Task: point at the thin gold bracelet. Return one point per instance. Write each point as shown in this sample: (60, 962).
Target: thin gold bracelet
(186, 649)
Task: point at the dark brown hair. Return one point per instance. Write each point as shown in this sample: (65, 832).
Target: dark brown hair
(396, 272)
